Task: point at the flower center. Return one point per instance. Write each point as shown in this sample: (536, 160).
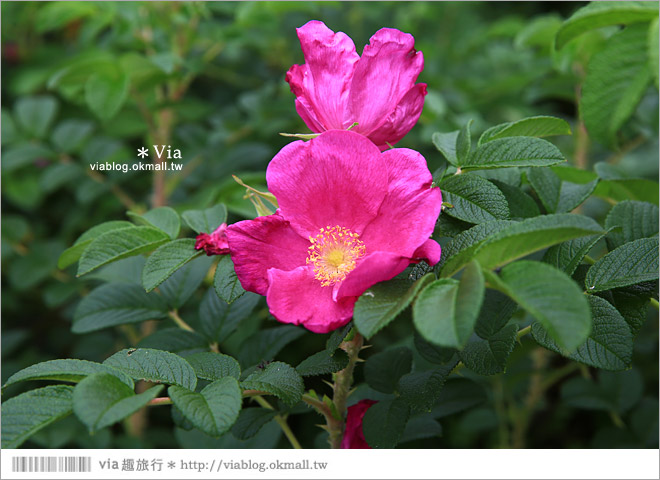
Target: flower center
(334, 253)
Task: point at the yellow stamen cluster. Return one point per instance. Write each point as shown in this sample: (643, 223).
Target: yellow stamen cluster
(334, 253)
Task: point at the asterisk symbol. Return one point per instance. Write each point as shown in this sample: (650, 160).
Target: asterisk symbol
(171, 464)
(143, 152)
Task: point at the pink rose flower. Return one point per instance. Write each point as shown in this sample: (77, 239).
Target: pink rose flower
(214, 243)
(353, 434)
(336, 87)
(348, 218)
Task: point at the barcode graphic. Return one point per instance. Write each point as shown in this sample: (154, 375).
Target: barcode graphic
(51, 464)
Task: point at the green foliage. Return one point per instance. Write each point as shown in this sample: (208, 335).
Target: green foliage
(154, 366)
(205, 221)
(384, 423)
(66, 370)
(214, 366)
(539, 127)
(226, 282)
(279, 379)
(166, 260)
(557, 195)
(473, 199)
(631, 263)
(323, 362)
(383, 370)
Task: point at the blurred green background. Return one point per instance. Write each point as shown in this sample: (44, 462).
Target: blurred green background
(87, 82)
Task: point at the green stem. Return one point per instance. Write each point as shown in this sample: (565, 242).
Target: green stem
(174, 315)
(654, 303)
(589, 260)
(524, 331)
(160, 401)
(281, 421)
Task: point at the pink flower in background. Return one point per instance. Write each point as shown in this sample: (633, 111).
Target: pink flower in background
(214, 243)
(353, 434)
(336, 87)
(349, 217)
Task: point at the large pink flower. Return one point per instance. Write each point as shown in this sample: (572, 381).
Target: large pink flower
(353, 434)
(336, 87)
(348, 218)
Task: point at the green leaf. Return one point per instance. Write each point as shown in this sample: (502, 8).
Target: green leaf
(250, 421)
(458, 394)
(267, 343)
(35, 114)
(463, 143)
(514, 152)
(219, 319)
(629, 303)
(567, 255)
(601, 14)
(337, 337)
(116, 304)
(163, 218)
(629, 189)
(383, 370)
(636, 219)
(166, 260)
(24, 155)
(432, 353)
(631, 263)
(551, 297)
(610, 343)
(474, 199)
(421, 390)
(383, 302)
(618, 391)
(446, 144)
(653, 47)
(557, 195)
(117, 244)
(384, 422)
(446, 311)
(9, 133)
(102, 399)
(541, 126)
(496, 311)
(214, 410)
(65, 370)
(183, 283)
(279, 379)
(489, 356)
(70, 135)
(175, 340)
(73, 253)
(520, 204)
(29, 412)
(617, 77)
(105, 94)
(214, 366)
(226, 283)
(205, 221)
(154, 366)
(323, 362)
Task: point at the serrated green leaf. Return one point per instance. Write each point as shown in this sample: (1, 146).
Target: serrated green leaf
(495, 312)
(419, 427)
(383, 370)
(250, 421)
(421, 390)
(163, 218)
(214, 366)
(514, 152)
(267, 343)
(464, 143)
(617, 77)
(550, 296)
(629, 303)
(446, 144)
(430, 352)
(618, 391)
(73, 253)
(337, 337)
(69, 135)
(602, 14)
(214, 410)
(323, 362)
(105, 94)
(520, 204)
(102, 399)
(541, 126)
(225, 282)
(631, 263)
(567, 255)
(219, 319)
(29, 412)
(116, 304)
(629, 189)
(65, 370)
(635, 219)
(155, 366)
(474, 199)
(458, 394)
(610, 343)
(175, 340)
(384, 422)
(36, 114)
(183, 283)
(279, 379)
(166, 260)
(205, 221)
(489, 356)
(557, 195)
(120, 243)
(383, 302)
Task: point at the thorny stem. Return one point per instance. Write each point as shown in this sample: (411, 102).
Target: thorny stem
(281, 421)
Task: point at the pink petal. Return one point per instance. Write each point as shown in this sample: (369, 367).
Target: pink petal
(295, 77)
(324, 80)
(429, 252)
(375, 267)
(410, 210)
(337, 178)
(402, 119)
(297, 297)
(386, 71)
(214, 243)
(353, 434)
(263, 243)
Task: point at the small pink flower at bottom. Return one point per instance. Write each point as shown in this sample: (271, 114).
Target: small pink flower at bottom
(353, 434)
(348, 217)
(214, 243)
